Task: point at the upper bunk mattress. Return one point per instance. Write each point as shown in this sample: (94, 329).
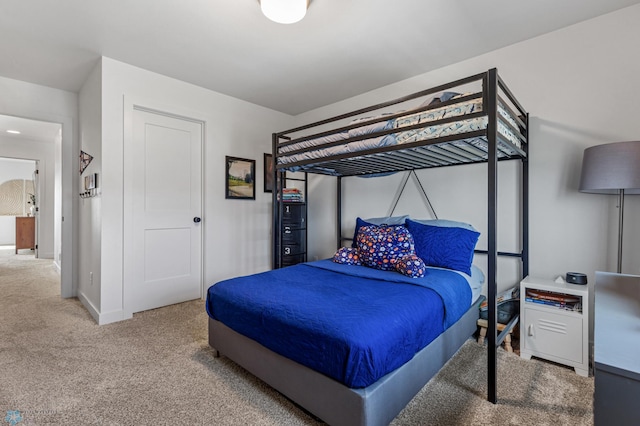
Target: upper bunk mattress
(351, 323)
(315, 148)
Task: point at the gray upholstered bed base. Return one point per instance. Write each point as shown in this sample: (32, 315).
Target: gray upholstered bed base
(331, 401)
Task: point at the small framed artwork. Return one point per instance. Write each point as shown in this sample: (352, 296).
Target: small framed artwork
(268, 173)
(91, 181)
(240, 178)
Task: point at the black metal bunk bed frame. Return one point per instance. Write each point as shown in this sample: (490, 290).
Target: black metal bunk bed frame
(416, 156)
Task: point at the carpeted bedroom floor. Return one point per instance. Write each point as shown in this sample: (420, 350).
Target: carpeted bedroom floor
(57, 367)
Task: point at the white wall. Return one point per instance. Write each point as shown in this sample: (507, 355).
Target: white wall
(89, 209)
(580, 85)
(28, 100)
(236, 232)
(10, 169)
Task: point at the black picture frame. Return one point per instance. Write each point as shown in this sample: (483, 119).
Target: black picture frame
(268, 173)
(240, 178)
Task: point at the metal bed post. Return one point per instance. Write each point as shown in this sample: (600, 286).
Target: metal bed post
(306, 217)
(275, 221)
(491, 88)
(525, 203)
(339, 213)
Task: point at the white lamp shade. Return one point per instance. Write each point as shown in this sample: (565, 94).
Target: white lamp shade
(610, 167)
(284, 11)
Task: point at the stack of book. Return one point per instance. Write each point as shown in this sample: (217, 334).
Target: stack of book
(292, 195)
(557, 300)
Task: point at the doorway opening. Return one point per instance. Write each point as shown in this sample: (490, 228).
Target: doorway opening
(30, 188)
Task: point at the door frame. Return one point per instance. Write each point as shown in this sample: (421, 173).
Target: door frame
(132, 104)
(66, 203)
(36, 190)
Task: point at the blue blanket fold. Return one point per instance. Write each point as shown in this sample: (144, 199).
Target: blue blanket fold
(353, 324)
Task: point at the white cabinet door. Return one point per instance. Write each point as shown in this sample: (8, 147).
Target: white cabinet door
(553, 334)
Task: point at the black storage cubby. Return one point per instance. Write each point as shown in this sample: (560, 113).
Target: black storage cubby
(292, 235)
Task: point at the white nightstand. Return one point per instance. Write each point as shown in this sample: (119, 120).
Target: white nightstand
(554, 320)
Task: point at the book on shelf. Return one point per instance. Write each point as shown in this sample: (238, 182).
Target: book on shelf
(502, 297)
(569, 306)
(291, 195)
(568, 302)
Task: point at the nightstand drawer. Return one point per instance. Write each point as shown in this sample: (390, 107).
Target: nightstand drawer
(552, 334)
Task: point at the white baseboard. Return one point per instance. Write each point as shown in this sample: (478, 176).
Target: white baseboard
(113, 316)
(89, 306)
(103, 318)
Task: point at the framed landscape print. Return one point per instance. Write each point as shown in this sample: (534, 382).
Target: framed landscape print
(240, 178)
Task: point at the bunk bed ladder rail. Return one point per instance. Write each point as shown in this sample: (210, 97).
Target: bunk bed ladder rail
(491, 86)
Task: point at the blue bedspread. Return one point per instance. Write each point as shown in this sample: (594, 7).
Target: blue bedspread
(351, 323)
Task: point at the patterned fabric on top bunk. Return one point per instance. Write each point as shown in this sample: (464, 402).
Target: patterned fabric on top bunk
(403, 137)
(456, 127)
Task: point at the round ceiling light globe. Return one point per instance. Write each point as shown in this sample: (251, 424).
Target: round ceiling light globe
(284, 11)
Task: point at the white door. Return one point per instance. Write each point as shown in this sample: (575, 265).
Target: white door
(166, 203)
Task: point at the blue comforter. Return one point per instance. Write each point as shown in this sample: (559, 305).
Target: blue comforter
(351, 323)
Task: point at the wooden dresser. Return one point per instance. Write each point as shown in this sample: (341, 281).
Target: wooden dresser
(25, 233)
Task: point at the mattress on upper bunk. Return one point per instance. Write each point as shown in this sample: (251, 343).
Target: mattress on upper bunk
(352, 323)
(314, 147)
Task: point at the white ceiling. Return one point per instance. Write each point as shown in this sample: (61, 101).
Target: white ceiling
(342, 48)
(31, 130)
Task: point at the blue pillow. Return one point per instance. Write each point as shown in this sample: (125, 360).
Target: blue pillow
(445, 223)
(387, 220)
(440, 97)
(444, 247)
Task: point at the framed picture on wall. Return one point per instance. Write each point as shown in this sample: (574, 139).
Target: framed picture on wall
(268, 173)
(240, 178)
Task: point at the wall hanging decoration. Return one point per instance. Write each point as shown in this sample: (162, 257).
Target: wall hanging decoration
(85, 159)
(16, 197)
(268, 173)
(90, 186)
(240, 178)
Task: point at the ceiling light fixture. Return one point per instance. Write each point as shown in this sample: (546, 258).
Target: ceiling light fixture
(15, 132)
(284, 11)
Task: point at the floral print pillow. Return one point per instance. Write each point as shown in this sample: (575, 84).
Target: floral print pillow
(380, 247)
(411, 266)
(347, 256)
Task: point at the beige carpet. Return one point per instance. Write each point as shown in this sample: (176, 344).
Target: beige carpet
(57, 367)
